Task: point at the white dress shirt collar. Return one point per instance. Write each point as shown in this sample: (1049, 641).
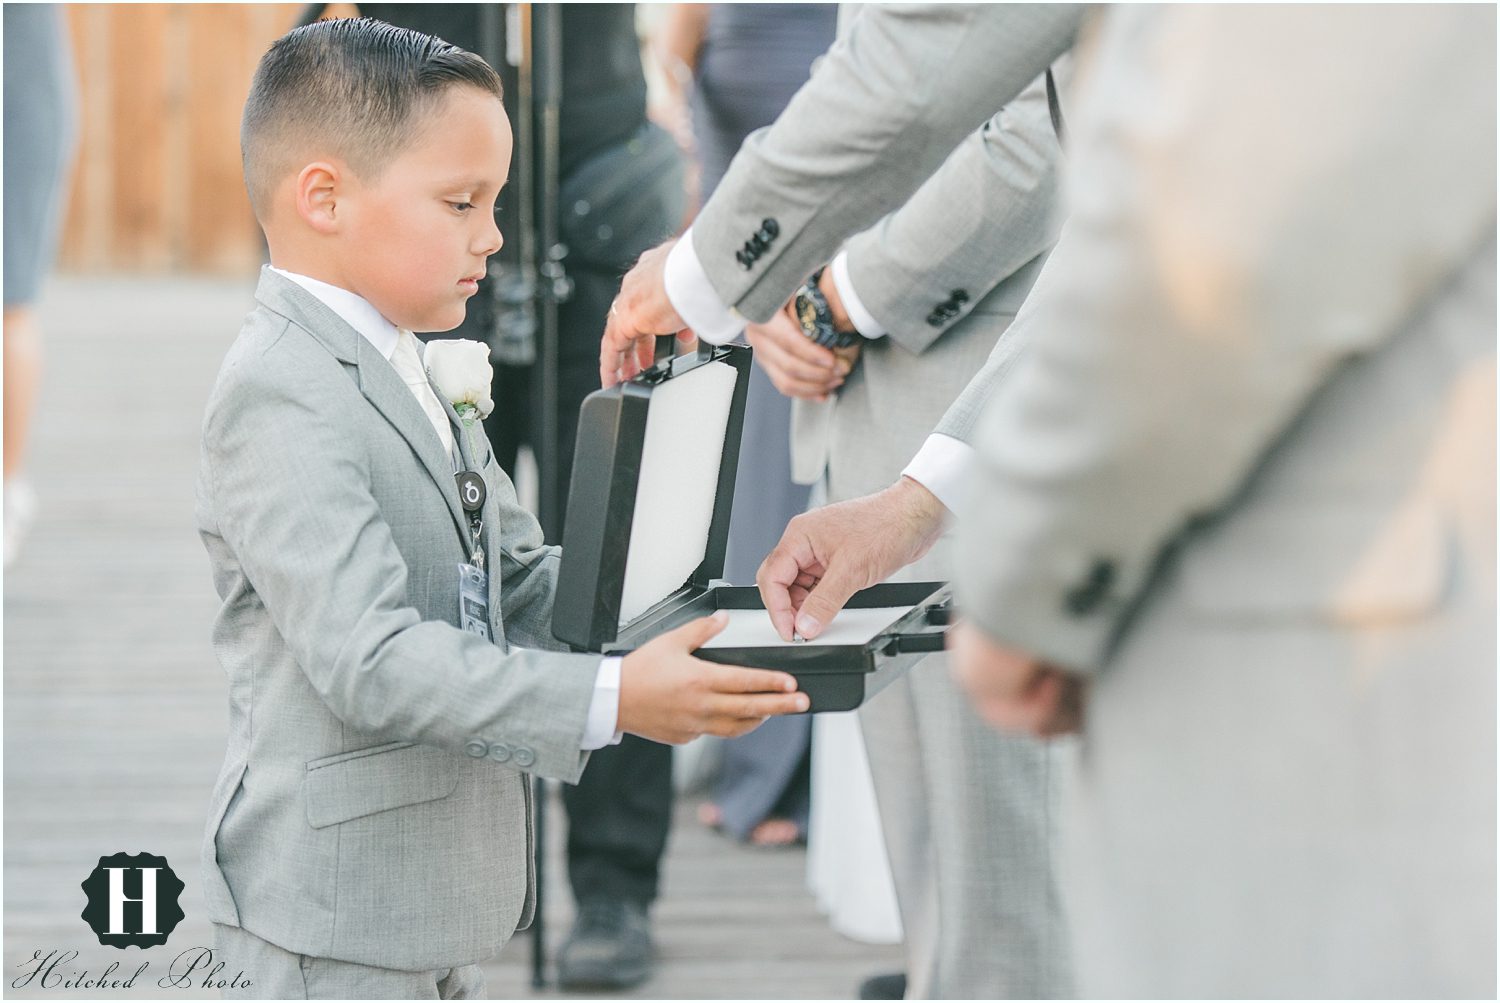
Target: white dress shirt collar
(356, 311)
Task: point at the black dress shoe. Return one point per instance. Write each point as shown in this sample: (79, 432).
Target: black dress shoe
(884, 987)
(608, 948)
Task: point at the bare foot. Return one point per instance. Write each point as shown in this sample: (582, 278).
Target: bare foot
(775, 832)
(710, 815)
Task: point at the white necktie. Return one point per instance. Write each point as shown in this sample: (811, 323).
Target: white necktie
(408, 363)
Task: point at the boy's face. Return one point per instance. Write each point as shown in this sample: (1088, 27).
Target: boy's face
(416, 239)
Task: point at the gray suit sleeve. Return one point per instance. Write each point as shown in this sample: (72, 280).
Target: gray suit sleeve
(987, 213)
(959, 420)
(528, 571)
(887, 104)
(1213, 287)
(296, 508)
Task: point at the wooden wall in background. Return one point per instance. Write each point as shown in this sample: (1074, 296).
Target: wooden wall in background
(157, 184)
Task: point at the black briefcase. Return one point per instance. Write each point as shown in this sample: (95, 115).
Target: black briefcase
(648, 524)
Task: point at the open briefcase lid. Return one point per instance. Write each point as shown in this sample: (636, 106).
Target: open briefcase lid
(648, 524)
(652, 488)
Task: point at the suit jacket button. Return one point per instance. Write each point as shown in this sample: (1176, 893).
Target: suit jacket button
(958, 296)
(499, 753)
(770, 227)
(744, 259)
(477, 748)
(1088, 595)
(935, 319)
(525, 757)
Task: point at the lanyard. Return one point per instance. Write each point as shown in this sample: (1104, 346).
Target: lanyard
(471, 495)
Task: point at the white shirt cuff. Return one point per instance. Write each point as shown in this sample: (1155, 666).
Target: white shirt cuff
(864, 322)
(604, 708)
(695, 299)
(942, 467)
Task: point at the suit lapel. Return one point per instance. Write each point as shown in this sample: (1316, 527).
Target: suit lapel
(490, 532)
(383, 389)
(376, 378)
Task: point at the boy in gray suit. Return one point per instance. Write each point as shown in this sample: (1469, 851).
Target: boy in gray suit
(369, 834)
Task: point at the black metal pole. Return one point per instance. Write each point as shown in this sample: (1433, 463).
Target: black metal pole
(514, 290)
(539, 914)
(553, 285)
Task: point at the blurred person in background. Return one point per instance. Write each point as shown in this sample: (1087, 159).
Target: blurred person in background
(737, 65)
(40, 127)
(923, 297)
(620, 192)
(1235, 506)
(894, 97)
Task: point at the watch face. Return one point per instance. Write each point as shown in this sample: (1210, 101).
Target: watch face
(807, 314)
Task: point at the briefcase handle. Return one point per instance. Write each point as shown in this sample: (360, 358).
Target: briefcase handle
(914, 644)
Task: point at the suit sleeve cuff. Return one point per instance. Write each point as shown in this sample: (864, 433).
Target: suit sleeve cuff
(604, 708)
(864, 322)
(942, 467)
(694, 297)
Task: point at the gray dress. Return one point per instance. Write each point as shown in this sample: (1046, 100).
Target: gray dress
(753, 59)
(40, 121)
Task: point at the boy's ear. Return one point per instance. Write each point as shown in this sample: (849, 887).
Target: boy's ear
(320, 185)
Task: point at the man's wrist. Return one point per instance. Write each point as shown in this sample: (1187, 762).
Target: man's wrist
(860, 318)
(836, 311)
(941, 466)
(921, 506)
(693, 296)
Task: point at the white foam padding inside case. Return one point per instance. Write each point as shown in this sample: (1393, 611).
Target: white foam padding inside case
(674, 499)
(751, 628)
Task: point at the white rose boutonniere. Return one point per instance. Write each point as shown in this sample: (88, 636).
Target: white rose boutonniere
(461, 369)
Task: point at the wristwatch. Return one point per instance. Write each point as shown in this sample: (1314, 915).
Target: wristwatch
(811, 309)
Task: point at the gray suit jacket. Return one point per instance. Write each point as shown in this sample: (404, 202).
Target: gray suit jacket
(1181, 325)
(371, 806)
(884, 108)
(1244, 476)
(975, 234)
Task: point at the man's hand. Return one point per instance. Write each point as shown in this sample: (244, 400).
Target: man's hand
(1012, 690)
(667, 695)
(797, 365)
(830, 553)
(639, 314)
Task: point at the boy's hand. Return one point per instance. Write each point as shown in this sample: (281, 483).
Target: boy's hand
(667, 695)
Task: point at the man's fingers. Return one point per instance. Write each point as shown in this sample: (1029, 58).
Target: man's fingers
(1045, 706)
(772, 360)
(612, 349)
(775, 577)
(784, 330)
(644, 351)
(826, 599)
(809, 353)
(794, 369)
(799, 596)
(1064, 702)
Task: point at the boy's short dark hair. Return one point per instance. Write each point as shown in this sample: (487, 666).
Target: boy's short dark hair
(356, 84)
